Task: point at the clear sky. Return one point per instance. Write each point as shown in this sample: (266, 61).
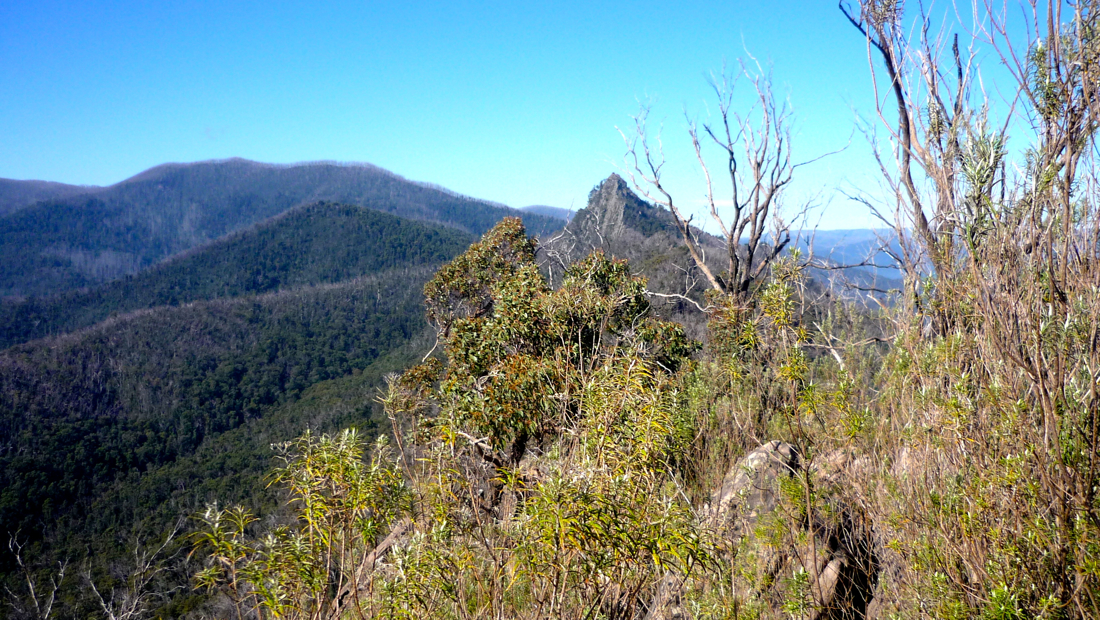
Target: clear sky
(515, 102)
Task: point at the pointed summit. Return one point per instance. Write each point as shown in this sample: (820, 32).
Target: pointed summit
(624, 225)
(615, 216)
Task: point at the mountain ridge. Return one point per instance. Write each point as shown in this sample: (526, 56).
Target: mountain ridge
(16, 194)
(309, 244)
(91, 238)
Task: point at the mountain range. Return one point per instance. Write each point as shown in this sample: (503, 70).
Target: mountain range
(321, 301)
(312, 244)
(75, 240)
(162, 333)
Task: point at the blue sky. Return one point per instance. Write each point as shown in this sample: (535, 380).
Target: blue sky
(512, 102)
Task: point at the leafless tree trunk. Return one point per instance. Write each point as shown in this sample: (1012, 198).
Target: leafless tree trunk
(932, 97)
(756, 149)
(38, 603)
(132, 601)
(1012, 261)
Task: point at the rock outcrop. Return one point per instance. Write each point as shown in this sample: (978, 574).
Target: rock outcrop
(621, 224)
(617, 222)
(817, 558)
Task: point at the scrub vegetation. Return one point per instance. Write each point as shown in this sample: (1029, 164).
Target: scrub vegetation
(564, 450)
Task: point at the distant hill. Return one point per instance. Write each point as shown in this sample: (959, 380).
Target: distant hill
(15, 195)
(853, 247)
(314, 244)
(555, 212)
(91, 238)
(616, 216)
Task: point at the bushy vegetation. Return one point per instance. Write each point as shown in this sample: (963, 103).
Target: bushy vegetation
(570, 456)
(563, 453)
(538, 463)
(561, 461)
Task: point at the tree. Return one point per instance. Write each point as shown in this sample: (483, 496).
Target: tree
(38, 602)
(756, 146)
(1006, 268)
(132, 599)
(509, 337)
(932, 112)
(583, 371)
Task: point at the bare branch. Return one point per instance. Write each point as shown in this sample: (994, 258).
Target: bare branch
(679, 297)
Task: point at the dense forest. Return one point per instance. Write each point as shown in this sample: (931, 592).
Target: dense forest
(314, 244)
(140, 391)
(15, 195)
(118, 429)
(87, 239)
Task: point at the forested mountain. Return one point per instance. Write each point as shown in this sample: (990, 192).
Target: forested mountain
(567, 434)
(125, 424)
(15, 195)
(314, 244)
(90, 238)
(101, 427)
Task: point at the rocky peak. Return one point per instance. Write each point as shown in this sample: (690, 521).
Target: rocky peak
(606, 204)
(614, 211)
(623, 225)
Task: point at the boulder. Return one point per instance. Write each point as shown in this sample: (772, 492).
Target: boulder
(788, 555)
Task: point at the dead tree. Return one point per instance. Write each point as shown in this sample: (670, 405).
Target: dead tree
(1057, 70)
(936, 130)
(756, 149)
(39, 601)
(133, 600)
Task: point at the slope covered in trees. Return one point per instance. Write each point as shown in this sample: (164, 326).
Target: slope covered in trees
(207, 359)
(15, 195)
(566, 454)
(937, 457)
(98, 413)
(87, 239)
(323, 242)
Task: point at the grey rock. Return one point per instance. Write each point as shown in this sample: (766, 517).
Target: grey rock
(751, 488)
(772, 537)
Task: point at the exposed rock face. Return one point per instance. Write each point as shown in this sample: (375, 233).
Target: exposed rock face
(786, 554)
(751, 487)
(623, 225)
(618, 222)
(617, 212)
